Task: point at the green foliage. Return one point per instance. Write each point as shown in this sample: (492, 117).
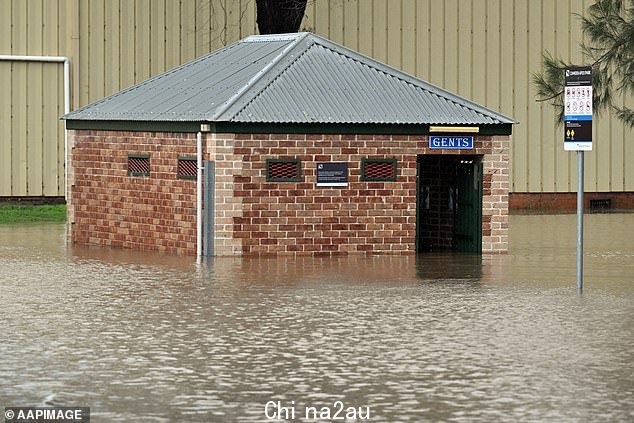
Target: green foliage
(24, 214)
(609, 29)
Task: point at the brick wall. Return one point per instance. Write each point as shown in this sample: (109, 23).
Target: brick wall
(253, 216)
(566, 202)
(110, 208)
(495, 195)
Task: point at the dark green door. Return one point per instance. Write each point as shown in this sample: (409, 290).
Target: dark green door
(419, 212)
(468, 215)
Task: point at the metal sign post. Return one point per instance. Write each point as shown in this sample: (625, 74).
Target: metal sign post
(580, 222)
(578, 137)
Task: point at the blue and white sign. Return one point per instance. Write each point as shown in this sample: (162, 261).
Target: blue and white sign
(578, 109)
(453, 143)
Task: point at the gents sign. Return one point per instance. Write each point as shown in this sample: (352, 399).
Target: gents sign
(332, 174)
(578, 109)
(451, 142)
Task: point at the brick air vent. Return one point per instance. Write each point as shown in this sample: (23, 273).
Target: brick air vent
(601, 204)
(187, 168)
(378, 170)
(139, 165)
(283, 170)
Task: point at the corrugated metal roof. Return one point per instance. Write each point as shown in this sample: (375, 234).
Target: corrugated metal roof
(288, 78)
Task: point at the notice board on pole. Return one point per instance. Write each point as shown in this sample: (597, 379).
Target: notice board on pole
(578, 109)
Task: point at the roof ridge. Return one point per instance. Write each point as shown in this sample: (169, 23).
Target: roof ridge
(268, 85)
(257, 77)
(289, 36)
(405, 77)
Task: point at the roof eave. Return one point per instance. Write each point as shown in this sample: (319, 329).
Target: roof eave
(272, 128)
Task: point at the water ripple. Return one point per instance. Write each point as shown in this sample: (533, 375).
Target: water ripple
(445, 337)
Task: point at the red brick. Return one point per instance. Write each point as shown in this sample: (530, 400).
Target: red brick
(266, 218)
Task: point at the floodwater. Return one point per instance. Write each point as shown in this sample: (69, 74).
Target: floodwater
(439, 337)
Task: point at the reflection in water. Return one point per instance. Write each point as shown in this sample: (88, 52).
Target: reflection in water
(449, 266)
(438, 337)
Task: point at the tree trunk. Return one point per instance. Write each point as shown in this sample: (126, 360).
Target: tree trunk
(280, 16)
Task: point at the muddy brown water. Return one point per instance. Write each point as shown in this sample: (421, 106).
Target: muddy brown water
(438, 337)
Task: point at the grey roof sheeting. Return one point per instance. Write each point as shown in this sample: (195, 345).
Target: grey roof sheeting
(288, 78)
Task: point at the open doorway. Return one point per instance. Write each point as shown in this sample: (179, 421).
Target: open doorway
(449, 203)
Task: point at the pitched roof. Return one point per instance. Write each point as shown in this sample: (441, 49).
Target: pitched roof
(288, 78)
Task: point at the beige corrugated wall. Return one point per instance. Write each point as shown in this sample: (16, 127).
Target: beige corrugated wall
(32, 99)
(485, 50)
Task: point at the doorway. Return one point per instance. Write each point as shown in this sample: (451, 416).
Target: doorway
(449, 203)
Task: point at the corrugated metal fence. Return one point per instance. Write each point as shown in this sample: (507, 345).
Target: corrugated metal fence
(485, 50)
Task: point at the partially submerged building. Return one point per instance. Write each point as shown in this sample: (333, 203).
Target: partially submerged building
(288, 144)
